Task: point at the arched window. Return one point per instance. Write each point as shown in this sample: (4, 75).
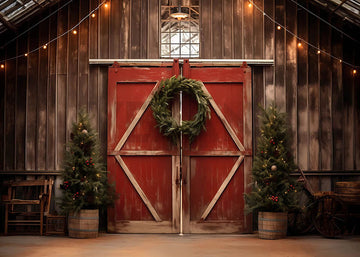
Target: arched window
(180, 37)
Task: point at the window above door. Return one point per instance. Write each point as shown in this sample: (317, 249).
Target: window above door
(180, 38)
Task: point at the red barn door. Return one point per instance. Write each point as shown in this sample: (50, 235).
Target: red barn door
(217, 164)
(146, 166)
(143, 163)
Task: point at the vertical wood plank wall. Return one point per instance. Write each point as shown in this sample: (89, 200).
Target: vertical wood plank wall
(41, 94)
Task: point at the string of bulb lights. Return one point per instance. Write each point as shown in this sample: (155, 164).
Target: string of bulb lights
(301, 41)
(71, 30)
(251, 4)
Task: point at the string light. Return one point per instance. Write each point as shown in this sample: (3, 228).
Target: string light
(301, 39)
(56, 38)
(33, 26)
(106, 5)
(74, 31)
(326, 22)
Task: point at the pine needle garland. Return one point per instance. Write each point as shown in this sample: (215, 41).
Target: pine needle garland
(161, 102)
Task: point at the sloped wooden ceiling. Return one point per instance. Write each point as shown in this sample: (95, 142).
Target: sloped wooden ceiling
(347, 9)
(13, 12)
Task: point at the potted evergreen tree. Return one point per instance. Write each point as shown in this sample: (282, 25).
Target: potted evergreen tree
(273, 193)
(85, 185)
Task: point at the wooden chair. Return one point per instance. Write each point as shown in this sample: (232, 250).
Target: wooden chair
(28, 201)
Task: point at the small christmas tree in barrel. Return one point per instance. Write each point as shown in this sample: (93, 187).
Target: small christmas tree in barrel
(274, 189)
(85, 182)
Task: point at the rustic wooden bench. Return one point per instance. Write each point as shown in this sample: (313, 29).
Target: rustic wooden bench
(27, 202)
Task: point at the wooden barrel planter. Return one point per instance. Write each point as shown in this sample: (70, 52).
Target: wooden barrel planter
(84, 224)
(348, 192)
(272, 225)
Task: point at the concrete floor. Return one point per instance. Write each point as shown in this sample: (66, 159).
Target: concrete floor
(173, 246)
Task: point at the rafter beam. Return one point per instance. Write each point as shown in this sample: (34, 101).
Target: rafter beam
(337, 7)
(7, 24)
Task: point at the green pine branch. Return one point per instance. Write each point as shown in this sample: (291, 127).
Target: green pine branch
(273, 187)
(85, 184)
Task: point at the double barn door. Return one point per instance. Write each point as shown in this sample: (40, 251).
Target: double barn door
(165, 189)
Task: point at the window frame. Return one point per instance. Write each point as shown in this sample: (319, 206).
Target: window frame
(192, 41)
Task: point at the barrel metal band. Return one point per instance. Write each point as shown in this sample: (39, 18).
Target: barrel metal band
(269, 230)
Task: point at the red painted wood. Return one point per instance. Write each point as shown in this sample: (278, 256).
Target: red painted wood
(206, 174)
(154, 177)
(206, 162)
(128, 89)
(226, 100)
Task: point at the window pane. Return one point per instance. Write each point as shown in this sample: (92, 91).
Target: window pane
(185, 37)
(194, 26)
(175, 50)
(195, 51)
(184, 26)
(174, 26)
(165, 50)
(175, 38)
(185, 50)
(195, 38)
(165, 26)
(165, 38)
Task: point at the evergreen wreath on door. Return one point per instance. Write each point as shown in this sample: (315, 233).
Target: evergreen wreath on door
(161, 103)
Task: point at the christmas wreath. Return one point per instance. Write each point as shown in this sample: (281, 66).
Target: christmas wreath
(161, 108)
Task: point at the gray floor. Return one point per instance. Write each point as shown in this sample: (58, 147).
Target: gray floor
(174, 245)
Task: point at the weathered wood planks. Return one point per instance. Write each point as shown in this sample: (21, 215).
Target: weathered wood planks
(41, 93)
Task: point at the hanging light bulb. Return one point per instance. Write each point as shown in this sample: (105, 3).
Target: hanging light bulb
(179, 15)
(354, 71)
(299, 44)
(278, 27)
(2, 66)
(93, 15)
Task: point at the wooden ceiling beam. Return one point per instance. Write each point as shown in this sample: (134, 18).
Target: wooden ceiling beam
(7, 24)
(339, 5)
(5, 4)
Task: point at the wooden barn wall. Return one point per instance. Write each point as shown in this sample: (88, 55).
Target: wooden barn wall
(41, 94)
